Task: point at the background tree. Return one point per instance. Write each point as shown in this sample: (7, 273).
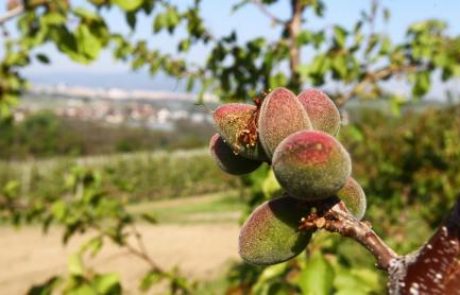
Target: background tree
(358, 58)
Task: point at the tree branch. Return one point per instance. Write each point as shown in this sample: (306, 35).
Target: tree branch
(435, 267)
(11, 14)
(371, 78)
(293, 27)
(140, 252)
(333, 216)
(267, 12)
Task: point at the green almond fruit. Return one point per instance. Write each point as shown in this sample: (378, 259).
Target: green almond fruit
(311, 165)
(236, 123)
(281, 114)
(321, 110)
(271, 234)
(352, 194)
(227, 160)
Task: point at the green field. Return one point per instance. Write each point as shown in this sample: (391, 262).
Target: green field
(210, 208)
(134, 177)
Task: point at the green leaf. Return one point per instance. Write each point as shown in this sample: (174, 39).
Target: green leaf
(128, 5)
(184, 45)
(107, 284)
(160, 22)
(373, 41)
(150, 278)
(81, 288)
(422, 84)
(320, 64)
(59, 210)
(94, 245)
(149, 217)
(385, 46)
(43, 58)
(318, 39)
(356, 282)
(319, 7)
(273, 271)
(318, 276)
(355, 133)
(67, 43)
(75, 265)
(239, 5)
(131, 20)
(278, 80)
(45, 288)
(172, 19)
(85, 13)
(340, 35)
(339, 66)
(270, 273)
(88, 44)
(304, 37)
(358, 26)
(52, 18)
(11, 189)
(386, 14)
(190, 84)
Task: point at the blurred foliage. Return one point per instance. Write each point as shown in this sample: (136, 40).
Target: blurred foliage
(333, 266)
(84, 205)
(134, 177)
(359, 56)
(61, 136)
(409, 168)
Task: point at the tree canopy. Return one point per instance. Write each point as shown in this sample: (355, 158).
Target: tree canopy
(358, 58)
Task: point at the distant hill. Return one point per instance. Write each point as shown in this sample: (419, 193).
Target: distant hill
(128, 80)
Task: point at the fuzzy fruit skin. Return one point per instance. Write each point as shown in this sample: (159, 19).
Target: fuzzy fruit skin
(281, 114)
(232, 120)
(323, 113)
(271, 235)
(227, 160)
(352, 194)
(311, 165)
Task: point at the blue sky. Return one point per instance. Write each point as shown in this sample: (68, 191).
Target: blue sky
(249, 23)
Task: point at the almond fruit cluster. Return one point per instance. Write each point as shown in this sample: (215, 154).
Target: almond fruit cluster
(296, 136)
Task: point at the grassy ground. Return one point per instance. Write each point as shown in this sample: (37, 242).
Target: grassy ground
(138, 177)
(209, 208)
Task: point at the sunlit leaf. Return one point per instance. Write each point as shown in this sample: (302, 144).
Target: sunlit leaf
(107, 284)
(75, 265)
(318, 276)
(340, 35)
(150, 279)
(128, 5)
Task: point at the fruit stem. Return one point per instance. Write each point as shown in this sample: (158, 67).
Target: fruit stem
(333, 216)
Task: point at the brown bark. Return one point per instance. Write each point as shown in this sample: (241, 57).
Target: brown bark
(435, 267)
(293, 27)
(11, 13)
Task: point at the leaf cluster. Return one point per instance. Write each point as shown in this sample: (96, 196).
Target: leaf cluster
(359, 58)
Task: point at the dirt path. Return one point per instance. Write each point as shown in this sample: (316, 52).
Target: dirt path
(200, 251)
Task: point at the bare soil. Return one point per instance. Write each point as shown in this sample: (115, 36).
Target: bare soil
(200, 251)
